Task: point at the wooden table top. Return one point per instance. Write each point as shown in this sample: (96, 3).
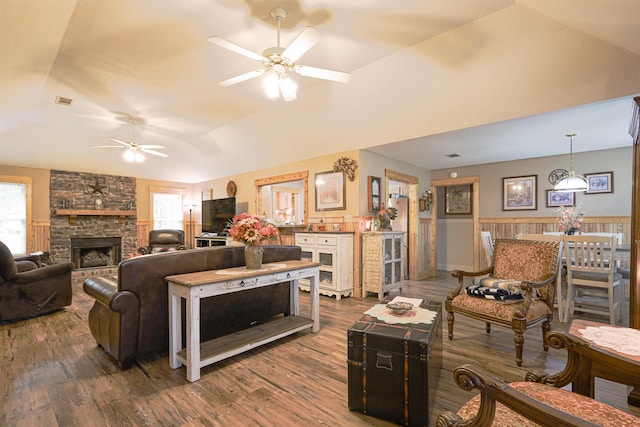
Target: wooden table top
(578, 324)
(223, 275)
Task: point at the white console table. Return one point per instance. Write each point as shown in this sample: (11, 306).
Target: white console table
(194, 286)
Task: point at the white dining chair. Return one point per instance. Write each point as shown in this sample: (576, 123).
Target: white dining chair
(487, 245)
(592, 277)
(560, 271)
(618, 237)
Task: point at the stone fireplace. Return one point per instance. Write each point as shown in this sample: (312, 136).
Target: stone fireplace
(92, 252)
(93, 218)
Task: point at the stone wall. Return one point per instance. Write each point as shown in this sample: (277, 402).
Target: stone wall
(86, 191)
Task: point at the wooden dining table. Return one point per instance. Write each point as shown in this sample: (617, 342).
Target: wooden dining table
(623, 368)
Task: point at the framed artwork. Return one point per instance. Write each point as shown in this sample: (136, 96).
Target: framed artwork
(457, 199)
(330, 191)
(601, 182)
(520, 193)
(374, 193)
(556, 199)
(207, 194)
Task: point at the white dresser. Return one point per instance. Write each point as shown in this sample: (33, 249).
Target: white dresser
(382, 262)
(334, 252)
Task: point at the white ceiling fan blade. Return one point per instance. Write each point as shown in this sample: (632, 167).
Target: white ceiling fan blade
(237, 49)
(321, 73)
(242, 77)
(126, 144)
(155, 153)
(146, 147)
(106, 146)
(305, 41)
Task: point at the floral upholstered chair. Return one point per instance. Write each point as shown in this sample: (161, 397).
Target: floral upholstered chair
(541, 398)
(516, 291)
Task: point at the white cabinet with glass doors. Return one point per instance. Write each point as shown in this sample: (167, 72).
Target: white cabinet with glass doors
(334, 252)
(382, 262)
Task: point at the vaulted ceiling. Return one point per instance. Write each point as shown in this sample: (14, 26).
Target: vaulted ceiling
(491, 80)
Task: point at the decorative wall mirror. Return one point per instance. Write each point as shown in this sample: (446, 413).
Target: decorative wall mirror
(283, 199)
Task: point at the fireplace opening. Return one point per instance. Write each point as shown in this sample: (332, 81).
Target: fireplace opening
(91, 252)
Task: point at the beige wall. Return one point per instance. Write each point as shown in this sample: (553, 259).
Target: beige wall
(246, 185)
(41, 179)
(451, 235)
(618, 160)
(454, 243)
(375, 165)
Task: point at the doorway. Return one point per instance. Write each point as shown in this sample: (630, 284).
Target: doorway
(409, 184)
(474, 181)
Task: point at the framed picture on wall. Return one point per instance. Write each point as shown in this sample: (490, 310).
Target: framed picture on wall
(520, 193)
(330, 191)
(601, 182)
(457, 199)
(374, 193)
(557, 198)
(207, 194)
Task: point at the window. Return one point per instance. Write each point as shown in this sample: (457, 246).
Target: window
(166, 208)
(15, 213)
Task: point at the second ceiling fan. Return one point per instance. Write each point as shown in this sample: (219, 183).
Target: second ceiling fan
(278, 62)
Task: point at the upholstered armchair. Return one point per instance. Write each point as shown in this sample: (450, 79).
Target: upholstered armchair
(30, 289)
(163, 241)
(517, 290)
(540, 399)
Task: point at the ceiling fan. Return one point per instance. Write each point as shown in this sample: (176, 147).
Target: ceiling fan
(134, 150)
(279, 62)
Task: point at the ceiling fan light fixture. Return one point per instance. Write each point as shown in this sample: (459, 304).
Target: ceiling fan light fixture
(133, 156)
(281, 62)
(572, 183)
(272, 85)
(288, 88)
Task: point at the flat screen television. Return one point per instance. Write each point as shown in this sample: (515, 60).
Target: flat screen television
(216, 213)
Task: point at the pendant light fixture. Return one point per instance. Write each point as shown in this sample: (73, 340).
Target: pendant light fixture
(572, 183)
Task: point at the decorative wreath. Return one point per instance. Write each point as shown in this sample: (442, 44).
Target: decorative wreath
(347, 165)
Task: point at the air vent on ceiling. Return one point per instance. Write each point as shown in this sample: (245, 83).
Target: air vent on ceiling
(454, 155)
(61, 100)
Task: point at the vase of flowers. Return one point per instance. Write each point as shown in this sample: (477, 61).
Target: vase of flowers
(252, 231)
(570, 219)
(385, 216)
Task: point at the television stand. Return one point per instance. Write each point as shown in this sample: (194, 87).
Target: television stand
(208, 241)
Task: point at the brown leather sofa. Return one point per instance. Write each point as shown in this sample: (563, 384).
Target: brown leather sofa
(29, 288)
(130, 317)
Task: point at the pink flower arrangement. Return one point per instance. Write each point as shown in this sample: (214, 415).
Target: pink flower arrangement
(569, 217)
(251, 229)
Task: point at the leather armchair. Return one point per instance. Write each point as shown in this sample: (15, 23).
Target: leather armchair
(27, 289)
(163, 241)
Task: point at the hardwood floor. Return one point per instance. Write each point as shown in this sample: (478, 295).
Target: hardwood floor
(53, 374)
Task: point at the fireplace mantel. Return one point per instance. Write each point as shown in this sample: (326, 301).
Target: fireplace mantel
(74, 213)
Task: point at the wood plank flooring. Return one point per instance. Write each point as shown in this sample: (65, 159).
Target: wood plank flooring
(53, 374)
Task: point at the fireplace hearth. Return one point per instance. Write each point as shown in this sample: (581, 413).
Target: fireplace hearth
(92, 252)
